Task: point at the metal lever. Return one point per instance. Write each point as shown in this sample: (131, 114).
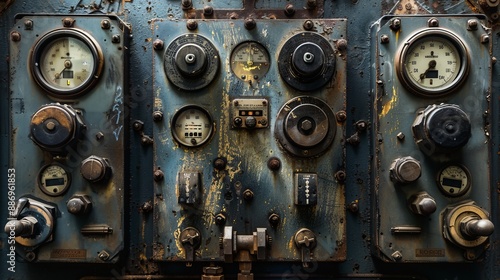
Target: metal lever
(24, 227)
(305, 240)
(21, 204)
(191, 240)
(474, 226)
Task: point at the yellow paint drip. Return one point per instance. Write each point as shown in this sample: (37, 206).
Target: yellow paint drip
(387, 107)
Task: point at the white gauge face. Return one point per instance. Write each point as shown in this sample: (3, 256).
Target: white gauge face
(454, 180)
(192, 126)
(66, 62)
(434, 63)
(250, 61)
(53, 180)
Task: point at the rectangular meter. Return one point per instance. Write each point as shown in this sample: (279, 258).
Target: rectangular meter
(249, 113)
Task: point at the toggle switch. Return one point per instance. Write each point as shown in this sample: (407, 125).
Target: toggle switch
(305, 240)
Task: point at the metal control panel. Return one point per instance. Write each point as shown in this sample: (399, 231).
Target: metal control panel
(249, 140)
(431, 126)
(67, 99)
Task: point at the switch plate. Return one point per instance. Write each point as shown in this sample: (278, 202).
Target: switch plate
(305, 189)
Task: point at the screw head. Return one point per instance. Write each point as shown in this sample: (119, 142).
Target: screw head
(208, 10)
(395, 24)
(250, 23)
(274, 164)
(384, 39)
(191, 24)
(340, 176)
(274, 219)
(147, 207)
(105, 24)
(289, 10)
(248, 195)
(306, 125)
(138, 125)
(220, 164)
(115, 39)
(308, 25)
(158, 44)
(99, 136)
(158, 175)
(157, 116)
(15, 36)
(187, 4)
(341, 116)
(220, 219)
(433, 22)
(472, 24)
(341, 45)
(28, 24)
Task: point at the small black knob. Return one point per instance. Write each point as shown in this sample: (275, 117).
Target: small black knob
(250, 122)
(308, 59)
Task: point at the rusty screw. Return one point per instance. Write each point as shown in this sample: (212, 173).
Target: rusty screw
(340, 176)
(308, 25)
(274, 219)
(28, 24)
(158, 44)
(15, 36)
(220, 219)
(220, 164)
(187, 4)
(274, 164)
(485, 38)
(138, 125)
(68, 22)
(311, 4)
(191, 24)
(248, 195)
(250, 23)
(105, 24)
(341, 45)
(433, 22)
(115, 39)
(99, 136)
(158, 175)
(472, 24)
(208, 10)
(353, 207)
(341, 116)
(157, 116)
(147, 207)
(395, 24)
(289, 10)
(233, 15)
(361, 126)
(384, 39)
(146, 140)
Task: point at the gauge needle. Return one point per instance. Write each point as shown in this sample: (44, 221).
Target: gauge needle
(250, 56)
(432, 65)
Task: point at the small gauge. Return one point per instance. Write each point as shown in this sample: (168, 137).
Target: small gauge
(53, 179)
(250, 61)
(433, 63)
(192, 126)
(66, 62)
(454, 180)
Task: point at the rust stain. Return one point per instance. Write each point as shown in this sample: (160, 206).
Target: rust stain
(387, 107)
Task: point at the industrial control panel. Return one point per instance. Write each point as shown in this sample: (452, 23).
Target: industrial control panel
(252, 139)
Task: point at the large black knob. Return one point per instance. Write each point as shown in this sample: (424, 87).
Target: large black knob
(441, 128)
(54, 127)
(308, 60)
(191, 60)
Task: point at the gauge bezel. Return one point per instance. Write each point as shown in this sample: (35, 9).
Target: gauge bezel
(464, 190)
(174, 121)
(451, 38)
(261, 47)
(44, 189)
(49, 38)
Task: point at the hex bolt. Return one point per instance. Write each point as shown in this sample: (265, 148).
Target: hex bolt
(220, 219)
(274, 219)
(158, 44)
(395, 24)
(187, 4)
(248, 195)
(250, 23)
(15, 36)
(208, 10)
(79, 204)
(103, 256)
(146, 140)
(308, 25)
(28, 24)
(50, 125)
(147, 207)
(397, 256)
(30, 256)
(433, 22)
(401, 136)
(384, 39)
(157, 116)
(340, 176)
(472, 24)
(99, 136)
(158, 175)
(105, 24)
(311, 4)
(138, 125)
(274, 164)
(422, 204)
(212, 270)
(341, 116)
(289, 10)
(115, 39)
(341, 45)
(191, 24)
(220, 164)
(485, 38)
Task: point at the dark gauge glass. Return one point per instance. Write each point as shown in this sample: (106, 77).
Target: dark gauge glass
(454, 180)
(250, 61)
(433, 63)
(53, 179)
(66, 62)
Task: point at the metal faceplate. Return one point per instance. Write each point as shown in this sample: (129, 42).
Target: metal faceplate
(227, 181)
(401, 234)
(101, 119)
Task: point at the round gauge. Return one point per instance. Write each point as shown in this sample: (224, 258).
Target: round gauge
(192, 126)
(250, 61)
(66, 62)
(433, 63)
(454, 180)
(53, 179)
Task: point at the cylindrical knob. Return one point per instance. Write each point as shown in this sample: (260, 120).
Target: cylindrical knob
(475, 227)
(191, 60)
(79, 204)
(441, 128)
(308, 60)
(405, 170)
(95, 169)
(23, 227)
(250, 122)
(422, 204)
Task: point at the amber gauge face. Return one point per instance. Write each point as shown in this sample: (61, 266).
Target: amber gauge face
(250, 61)
(66, 62)
(433, 63)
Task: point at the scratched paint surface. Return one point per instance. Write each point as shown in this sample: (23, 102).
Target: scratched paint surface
(395, 111)
(103, 111)
(246, 152)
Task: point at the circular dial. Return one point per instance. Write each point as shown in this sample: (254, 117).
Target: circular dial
(66, 62)
(433, 63)
(454, 180)
(250, 61)
(53, 179)
(192, 126)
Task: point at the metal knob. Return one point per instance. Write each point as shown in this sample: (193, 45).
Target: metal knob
(422, 204)
(405, 170)
(79, 205)
(23, 227)
(474, 227)
(95, 169)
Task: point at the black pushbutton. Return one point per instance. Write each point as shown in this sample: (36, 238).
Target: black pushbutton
(449, 128)
(191, 60)
(308, 60)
